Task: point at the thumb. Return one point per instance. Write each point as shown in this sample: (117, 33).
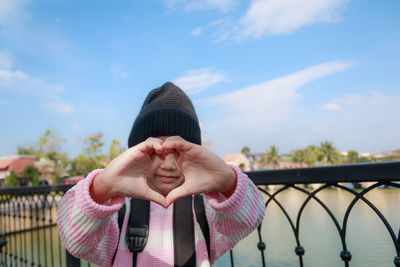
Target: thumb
(176, 193)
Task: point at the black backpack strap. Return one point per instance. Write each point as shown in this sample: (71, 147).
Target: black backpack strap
(202, 219)
(183, 221)
(121, 215)
(137, 230)
(183, 227)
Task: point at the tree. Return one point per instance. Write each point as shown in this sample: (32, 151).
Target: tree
(49, 142)
(308, 155)
(272, 156)
(93, 144)
(32, 174)
(50, 148)
(114, 150)
(11, 180)
(299, 155)
(245, 150)
(328, 154)
(90, 158)
(28, 150)
(352, 156)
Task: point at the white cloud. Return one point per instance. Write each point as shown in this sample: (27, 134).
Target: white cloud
(277, 16)
(370, 123)
(6, 60)
(357, 101)
(20, 81)
(60, 108)
(191, 5)
(195, 81)
(275, 95)
(377, 98)
(197, 31)
(118, 71)
(251, 112)
(331, 106)
(10, 9)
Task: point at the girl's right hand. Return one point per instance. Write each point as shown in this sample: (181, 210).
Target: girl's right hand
(126, 175)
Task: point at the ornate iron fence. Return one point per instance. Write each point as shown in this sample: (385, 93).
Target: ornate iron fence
(29, 237)
(381, 174)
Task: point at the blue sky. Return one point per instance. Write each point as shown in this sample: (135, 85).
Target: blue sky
(264, 72)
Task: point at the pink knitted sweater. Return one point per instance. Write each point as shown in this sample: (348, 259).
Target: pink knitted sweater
(90, 230)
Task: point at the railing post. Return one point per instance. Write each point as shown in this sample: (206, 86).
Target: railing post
(72, 261)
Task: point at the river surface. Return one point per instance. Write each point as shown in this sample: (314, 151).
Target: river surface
(367, 238)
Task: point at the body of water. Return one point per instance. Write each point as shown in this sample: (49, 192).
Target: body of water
(367, 238)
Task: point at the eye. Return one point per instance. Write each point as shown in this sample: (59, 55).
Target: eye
(152, 155)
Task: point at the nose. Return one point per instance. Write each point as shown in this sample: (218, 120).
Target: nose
(169, 163)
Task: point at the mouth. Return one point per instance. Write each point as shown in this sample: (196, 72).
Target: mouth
(167, 178)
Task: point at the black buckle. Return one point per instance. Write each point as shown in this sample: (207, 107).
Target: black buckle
(136, 237)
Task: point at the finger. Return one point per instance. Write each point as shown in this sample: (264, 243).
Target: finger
(143, 148)
(176, 193)
(174, 138)
(179, 145)
(150, 144)
(155, 197)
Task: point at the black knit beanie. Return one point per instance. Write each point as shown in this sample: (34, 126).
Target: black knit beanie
(166, 111)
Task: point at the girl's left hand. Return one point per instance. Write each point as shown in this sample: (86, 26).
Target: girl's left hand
(203, 170)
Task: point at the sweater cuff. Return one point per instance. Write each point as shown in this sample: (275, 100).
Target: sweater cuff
(88, 206)
(231, 205)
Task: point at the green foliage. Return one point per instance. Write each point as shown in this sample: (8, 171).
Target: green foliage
(245, 150)
(328, 154)
(299, 155)
(32, 174)
(11, 180)
(82, 165)
(50, 145)
(93, 144)
(365, 159)
(90, 158)
(308, 155)
(115, 150)
(352, 156)
(28, 150)
(271, 156)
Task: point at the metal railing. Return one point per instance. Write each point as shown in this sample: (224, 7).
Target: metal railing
(28, 226)
(382, 174)
(29, 236)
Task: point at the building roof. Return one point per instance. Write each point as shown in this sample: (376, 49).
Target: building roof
(16, 163)
(5, 163)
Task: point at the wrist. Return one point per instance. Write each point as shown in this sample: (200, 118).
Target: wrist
(99, 190)
(230, 185)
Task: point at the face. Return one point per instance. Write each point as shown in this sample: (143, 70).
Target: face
(165, 173)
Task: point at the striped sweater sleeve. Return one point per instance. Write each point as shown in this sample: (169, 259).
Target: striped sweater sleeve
(87, 229)
(231, 219)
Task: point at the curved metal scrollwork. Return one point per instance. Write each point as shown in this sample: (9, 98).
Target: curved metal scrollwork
(345, 253)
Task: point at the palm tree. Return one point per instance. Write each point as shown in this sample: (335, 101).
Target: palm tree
(245, 150)
(327, 153)
(352, 156)
(272, 156)
(299, 155)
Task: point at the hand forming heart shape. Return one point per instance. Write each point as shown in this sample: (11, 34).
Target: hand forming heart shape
(130, 173)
